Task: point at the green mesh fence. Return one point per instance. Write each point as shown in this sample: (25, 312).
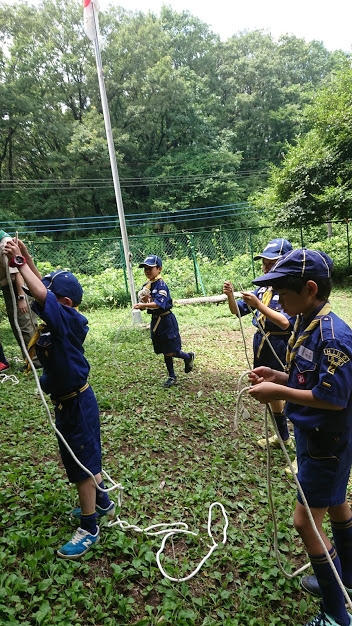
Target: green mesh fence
(207, 256)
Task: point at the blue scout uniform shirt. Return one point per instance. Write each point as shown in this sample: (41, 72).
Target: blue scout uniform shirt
(323, 364)
(164, 329)
(160, 295)
(60, 347)
(277, 336)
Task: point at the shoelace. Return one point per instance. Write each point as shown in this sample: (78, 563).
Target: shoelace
(79, 534)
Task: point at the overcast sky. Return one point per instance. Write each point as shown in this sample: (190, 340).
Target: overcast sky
(329, 22)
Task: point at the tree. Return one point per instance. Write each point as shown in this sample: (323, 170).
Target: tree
(263, 86)
(314, 183)
(196, 122)
(44, 93)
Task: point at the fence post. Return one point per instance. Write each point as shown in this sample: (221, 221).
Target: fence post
(348, 245)
(301, 231)
(123, 263)
(197, 274)
(251, 251)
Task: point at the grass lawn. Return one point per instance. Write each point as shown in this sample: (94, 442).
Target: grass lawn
(175, 453)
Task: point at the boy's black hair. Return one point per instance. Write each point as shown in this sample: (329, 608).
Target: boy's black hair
(74, 304)
(296, 284)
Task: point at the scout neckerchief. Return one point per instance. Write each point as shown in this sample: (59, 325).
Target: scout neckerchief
(267, 296)
(150, 282)
(31, 345)
(294, 342)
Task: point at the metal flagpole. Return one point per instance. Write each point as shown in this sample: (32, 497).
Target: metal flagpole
(91, 27)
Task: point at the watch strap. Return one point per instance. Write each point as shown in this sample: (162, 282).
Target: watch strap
(17, 261)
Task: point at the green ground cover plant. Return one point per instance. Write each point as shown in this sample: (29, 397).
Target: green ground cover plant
(174, 451)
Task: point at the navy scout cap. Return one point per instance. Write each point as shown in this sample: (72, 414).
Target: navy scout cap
(151, 261)
(305, 263)
(64, 283)
(274, 249)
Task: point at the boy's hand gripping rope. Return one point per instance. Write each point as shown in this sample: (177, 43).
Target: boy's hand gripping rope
(271, 502)
(261, 330)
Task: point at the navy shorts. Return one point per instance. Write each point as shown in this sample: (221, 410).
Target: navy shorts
(324, 465)
(78, 421)
(167, 338)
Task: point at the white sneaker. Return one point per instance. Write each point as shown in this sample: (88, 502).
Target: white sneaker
(275, 443)
(295, 467)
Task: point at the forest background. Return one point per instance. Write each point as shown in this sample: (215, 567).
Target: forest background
(245, 132)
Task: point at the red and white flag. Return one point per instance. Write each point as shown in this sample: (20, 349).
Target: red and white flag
(90, 18)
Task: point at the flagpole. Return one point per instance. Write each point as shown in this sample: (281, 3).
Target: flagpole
(92, 30)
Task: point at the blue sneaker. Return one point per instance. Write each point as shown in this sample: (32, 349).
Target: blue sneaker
(80, 543)
(110, 512)
(323, 619)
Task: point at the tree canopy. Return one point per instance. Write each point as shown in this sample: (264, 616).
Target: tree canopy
(313, 184)
(196, 122)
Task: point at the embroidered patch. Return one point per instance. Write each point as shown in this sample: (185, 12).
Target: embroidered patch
(162, 292)
(301, 379)
(336, 358)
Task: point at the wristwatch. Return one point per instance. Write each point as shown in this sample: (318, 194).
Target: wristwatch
(17, 261)
(21, 297)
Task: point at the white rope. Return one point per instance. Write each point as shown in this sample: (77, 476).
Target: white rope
(263, 333)
(242, 332)
(240, 409)
(8, 377)
(169, 531)
(304, 500)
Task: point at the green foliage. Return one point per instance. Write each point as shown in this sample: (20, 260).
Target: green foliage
(174, 453)
(195, 122)
(263, 87)
(194, 264)
(313, 185)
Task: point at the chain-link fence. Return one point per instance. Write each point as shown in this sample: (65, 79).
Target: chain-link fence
(208, 255)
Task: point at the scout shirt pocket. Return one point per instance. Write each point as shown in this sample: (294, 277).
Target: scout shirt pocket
(305, 367)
